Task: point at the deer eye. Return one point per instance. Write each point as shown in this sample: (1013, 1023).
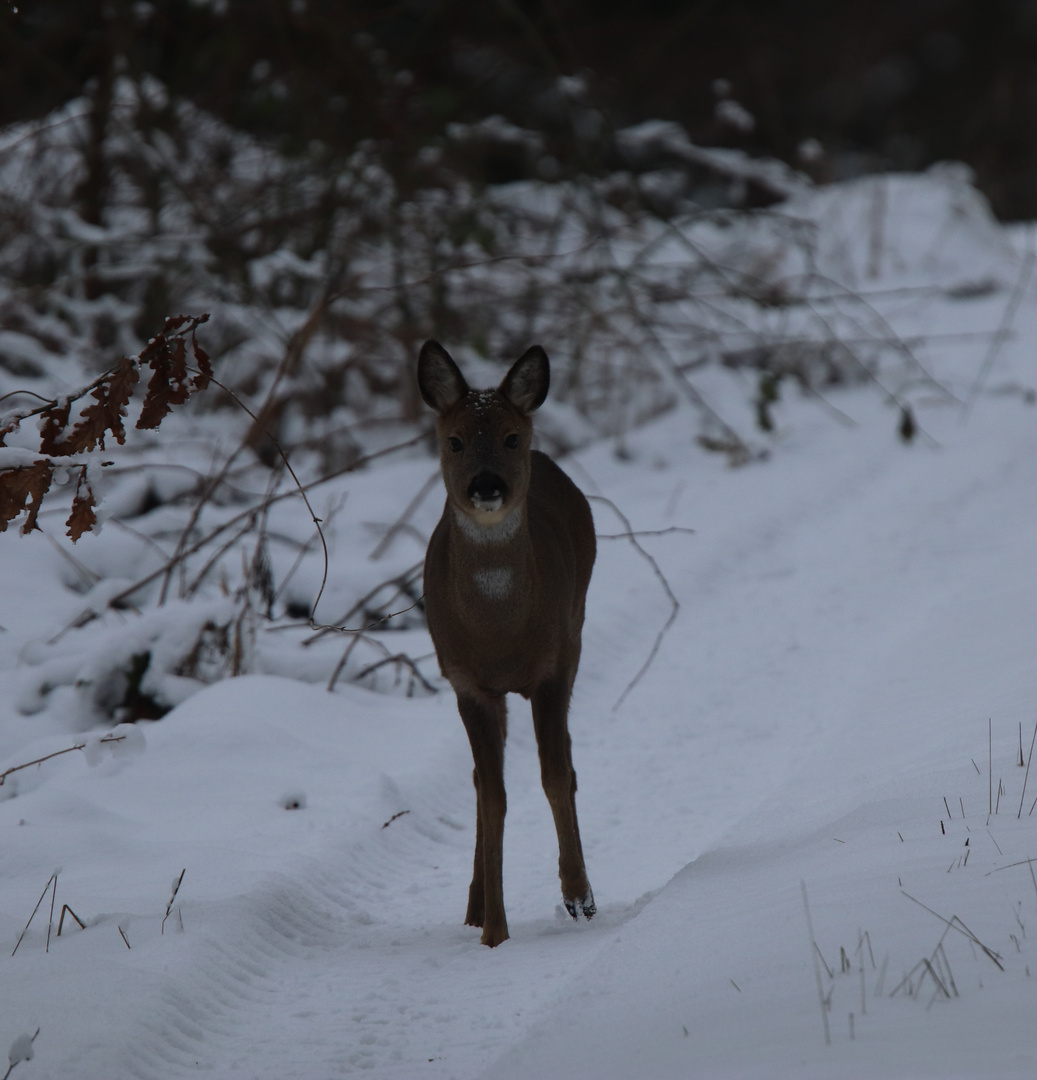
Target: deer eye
(511, 442)
(455, 444)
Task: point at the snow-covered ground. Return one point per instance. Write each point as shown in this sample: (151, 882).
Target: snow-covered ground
(786, 819)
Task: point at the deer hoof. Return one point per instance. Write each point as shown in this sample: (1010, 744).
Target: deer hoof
(494, 937)
(583, 907)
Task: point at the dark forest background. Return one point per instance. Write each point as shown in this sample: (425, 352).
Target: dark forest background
(836, 89)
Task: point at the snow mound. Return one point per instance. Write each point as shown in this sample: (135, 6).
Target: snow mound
(932, 231)
(908, 230)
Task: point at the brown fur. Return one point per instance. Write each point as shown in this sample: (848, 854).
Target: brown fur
(505, 589)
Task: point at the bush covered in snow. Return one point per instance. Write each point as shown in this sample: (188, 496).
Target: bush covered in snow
(323, 275)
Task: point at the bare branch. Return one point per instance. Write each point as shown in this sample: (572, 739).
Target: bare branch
(57, 753)
(675, 606)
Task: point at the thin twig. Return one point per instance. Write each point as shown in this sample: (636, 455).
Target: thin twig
(1004, 327)
(88, 576)
(745, 285)
(645, 532)
(53, 878)
(120, 598)
(61, 921)
(815, 952)
(1008, 866)
(408, 511)
(291, 472)
(340, 666)
(293, 350)
(1027, 775)
(906, 981)
(821, 957)
(57, 753)
(401, 581)
(374, 624)
(683, 383)
(50, 921)
(939, 957)
(11, 1065)
(474, 264)
(304, 550)
(674, 602)
(955, 923)
(190, 590)
(931, 971)
(27, 393)
(169, 906)
(397, 658)
(143, 537)
(880, 983)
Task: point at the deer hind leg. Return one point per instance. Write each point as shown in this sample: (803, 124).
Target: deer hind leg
(485, 720)
(476, 893)
(550, 721)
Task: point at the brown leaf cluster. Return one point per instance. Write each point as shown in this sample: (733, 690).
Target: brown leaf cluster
(22, 488)
(166, 355)
(111, 394)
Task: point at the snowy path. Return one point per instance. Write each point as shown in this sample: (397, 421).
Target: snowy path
(851, 614)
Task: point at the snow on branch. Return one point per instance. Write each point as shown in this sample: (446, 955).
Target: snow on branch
(26, 476)
(655, 138)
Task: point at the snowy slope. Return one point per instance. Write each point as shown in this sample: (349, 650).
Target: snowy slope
(860, 643)
(852, 612)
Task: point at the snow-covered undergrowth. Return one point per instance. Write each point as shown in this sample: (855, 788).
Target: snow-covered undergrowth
(853, 610)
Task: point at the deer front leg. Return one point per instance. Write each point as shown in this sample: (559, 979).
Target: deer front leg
(485, 721)
(550, 703)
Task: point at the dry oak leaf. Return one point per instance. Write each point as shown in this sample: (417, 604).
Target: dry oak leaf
(168, 385)
(53, 423)
(82, 519)
(111, 396)
(24, 485)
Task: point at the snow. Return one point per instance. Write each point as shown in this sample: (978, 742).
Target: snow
(811, 737)
(21, 1050)
(654, 136)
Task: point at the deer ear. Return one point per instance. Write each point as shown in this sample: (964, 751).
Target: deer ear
(526, 384)
(439, 378)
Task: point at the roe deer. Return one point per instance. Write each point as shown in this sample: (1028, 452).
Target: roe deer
(506, 579)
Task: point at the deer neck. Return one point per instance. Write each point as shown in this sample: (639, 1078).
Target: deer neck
(494, 560)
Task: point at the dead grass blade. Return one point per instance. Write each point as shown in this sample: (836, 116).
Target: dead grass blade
(955, 923)
(815, 953)
(172, 899)
(51, 881)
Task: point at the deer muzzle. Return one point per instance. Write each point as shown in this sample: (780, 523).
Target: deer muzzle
(487, 492)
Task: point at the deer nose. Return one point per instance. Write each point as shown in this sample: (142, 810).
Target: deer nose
(487, 491)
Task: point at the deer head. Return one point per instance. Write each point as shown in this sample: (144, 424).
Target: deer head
(484, 435)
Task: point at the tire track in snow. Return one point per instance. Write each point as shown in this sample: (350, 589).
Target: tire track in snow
(358, 954)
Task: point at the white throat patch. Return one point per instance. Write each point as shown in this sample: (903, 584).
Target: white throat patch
(496, 532)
